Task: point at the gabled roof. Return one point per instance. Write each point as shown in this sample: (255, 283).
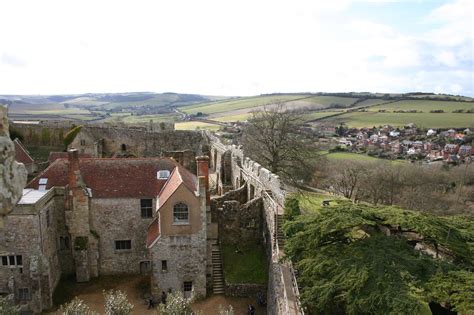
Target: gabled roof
(21, 154)
(53, 156)
(116, 178)
(153, 232)
(178, 177)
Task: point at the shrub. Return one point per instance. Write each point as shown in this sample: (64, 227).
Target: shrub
(176, 304)
(116, 303)
(75, 307)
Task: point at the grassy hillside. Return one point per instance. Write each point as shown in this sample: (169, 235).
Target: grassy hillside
(328, 109)
(427, 120)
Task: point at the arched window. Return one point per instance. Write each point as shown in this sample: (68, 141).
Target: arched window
(180, 213)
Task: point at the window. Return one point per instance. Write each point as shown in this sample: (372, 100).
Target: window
(83, 142)
(180, 213)
(64, 242)
(48, 218)
(146, 206)
(123, 244)
(188, 286)
(12, 260)
(164, 265)
(164, 174)
(23, 294)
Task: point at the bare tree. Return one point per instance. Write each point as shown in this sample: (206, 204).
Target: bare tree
(272, 137)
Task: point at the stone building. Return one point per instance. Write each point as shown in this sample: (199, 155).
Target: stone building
(93, 216)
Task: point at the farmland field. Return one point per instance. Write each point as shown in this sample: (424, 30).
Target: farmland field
(426, 120)
(251, 103)
(193, 125)
(424, 106)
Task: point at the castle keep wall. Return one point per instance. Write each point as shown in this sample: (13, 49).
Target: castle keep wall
(119, 219)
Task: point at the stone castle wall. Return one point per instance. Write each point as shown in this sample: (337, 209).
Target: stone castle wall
(233, 168)
(32, 231)
(119, 219)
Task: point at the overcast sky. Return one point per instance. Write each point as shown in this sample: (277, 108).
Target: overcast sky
(243, 47)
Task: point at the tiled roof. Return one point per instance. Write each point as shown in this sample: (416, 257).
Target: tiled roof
(153, 232)
(116, 178)
(21, 154)
(53, 156)
(179, 176)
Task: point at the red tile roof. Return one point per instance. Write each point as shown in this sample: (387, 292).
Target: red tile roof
(179, 176)
(21, 154)
(116, 178)
(53, 156)
(153, 232)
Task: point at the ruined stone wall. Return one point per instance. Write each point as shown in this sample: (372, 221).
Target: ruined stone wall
(106, 142)
(262, 183)
(119, 219)
(241, 224)
(41, 134)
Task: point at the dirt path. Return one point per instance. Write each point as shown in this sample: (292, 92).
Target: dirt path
(134, 286)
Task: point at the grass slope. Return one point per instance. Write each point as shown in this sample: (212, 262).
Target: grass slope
(427, 120)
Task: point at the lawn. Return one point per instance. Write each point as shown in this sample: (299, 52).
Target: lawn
(244, 264)
(426, 120)
(312, 202)
(193, 125)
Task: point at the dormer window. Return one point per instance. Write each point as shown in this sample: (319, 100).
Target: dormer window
(180, 213)
(163, 174)
(42, 183)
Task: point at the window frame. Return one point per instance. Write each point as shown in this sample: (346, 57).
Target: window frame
(181, 207)
(146, 211)
(12, 261)
(187, 285)
(119, 245)
(24, 294)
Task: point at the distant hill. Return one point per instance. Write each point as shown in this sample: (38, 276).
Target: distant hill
(358, 109)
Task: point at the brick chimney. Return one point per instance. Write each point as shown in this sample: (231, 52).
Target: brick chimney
(73, 157)
(203, 170)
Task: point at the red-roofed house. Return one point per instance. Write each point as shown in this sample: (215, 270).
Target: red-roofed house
(112, 216)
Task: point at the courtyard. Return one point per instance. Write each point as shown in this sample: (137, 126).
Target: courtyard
(136, 288)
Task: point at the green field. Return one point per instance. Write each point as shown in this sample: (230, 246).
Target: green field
(426, 120)
(193, 125)
(424, 106)
(146, 118)
(292, 101)
(233, 104)
(315, 115)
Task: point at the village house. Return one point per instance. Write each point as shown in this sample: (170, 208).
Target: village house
(91, 217)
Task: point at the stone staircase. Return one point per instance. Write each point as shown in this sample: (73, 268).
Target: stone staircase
(280, 237)
(217, 272)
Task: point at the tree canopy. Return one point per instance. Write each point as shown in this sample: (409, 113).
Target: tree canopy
(272, 138)
(361, 259)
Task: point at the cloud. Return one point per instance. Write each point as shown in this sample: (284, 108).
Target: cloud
(230, 48)
(12, 60)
